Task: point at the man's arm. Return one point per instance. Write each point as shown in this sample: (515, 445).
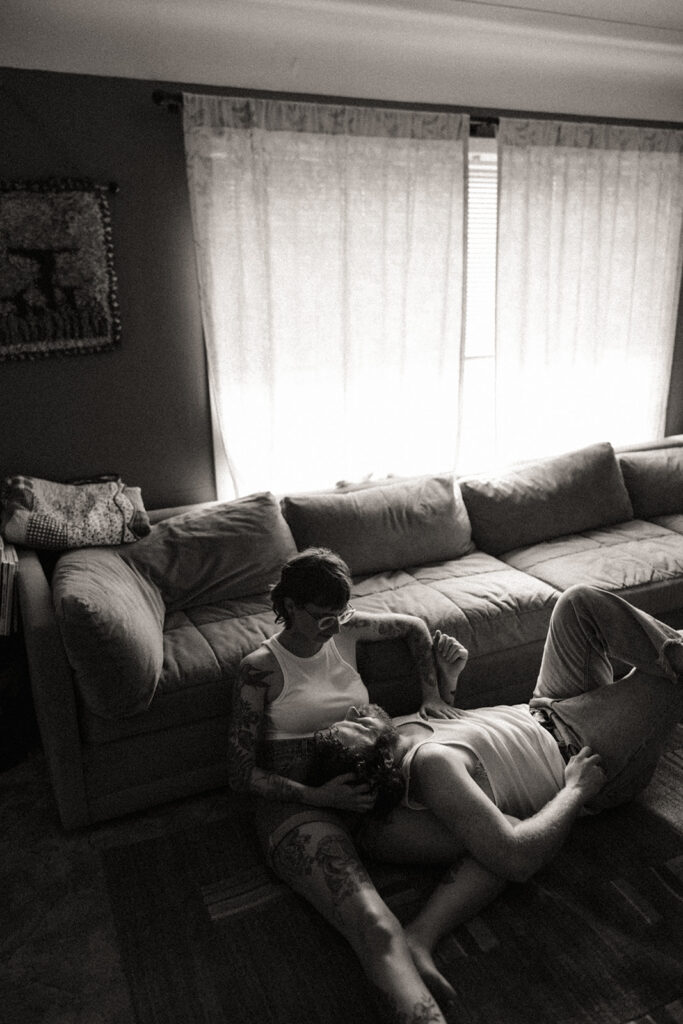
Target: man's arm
(507, 847)
(389, 626)
(246, 726)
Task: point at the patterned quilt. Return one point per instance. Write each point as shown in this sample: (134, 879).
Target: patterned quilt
(43, 514)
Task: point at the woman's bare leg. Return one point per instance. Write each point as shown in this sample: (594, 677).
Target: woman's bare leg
(319, 861)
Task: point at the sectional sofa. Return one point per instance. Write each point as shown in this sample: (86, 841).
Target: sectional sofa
(133, 649)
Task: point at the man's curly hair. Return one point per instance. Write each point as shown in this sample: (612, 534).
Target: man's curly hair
(376, 766)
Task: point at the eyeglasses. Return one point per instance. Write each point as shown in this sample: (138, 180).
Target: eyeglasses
(329, 618)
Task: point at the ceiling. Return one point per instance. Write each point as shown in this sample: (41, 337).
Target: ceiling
(621, 58)
(647, 14)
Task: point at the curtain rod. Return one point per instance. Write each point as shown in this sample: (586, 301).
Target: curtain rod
(483, 121)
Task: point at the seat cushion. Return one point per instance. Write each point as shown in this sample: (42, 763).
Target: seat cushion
(641, 560)
(485, 603)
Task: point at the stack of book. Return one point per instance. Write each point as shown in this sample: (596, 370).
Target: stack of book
(9, 564)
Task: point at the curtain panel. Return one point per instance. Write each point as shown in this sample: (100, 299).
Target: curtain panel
(589, 266)
(329, 244)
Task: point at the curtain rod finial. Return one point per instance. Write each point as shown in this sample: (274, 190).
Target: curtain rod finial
(173, 101)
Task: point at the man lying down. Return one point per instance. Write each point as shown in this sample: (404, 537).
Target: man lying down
(495, 791)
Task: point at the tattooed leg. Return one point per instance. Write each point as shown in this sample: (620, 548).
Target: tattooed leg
(318, 860)
(422, 1013)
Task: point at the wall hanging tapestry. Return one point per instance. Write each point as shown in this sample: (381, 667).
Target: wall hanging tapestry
(57, 281)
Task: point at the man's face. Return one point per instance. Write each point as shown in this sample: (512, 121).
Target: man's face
(359, 730)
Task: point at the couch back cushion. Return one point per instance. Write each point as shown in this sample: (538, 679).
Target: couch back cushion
(581, 490)
(232, 549)
(384, 527)
(111, 621)
(654, 480)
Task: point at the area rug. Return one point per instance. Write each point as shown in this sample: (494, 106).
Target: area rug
(207, 934)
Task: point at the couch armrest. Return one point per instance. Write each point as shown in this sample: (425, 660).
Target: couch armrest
(53, 692)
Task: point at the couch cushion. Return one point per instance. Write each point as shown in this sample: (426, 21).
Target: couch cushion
(654, 481)
(488, 606)
(581, 490)
(110, 618)
(227, 551)
(202, 650)
(641, 560)
(384, 527)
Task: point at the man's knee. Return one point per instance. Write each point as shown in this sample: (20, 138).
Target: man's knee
(581, 595)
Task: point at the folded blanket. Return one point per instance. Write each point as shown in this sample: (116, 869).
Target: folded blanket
(43, 514)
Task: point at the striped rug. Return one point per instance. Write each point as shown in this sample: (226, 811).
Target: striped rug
(208, 934)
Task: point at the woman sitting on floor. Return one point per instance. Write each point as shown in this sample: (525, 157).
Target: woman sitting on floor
(294, 684)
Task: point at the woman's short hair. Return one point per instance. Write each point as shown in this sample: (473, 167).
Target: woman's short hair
(315, 576)
(376, 766)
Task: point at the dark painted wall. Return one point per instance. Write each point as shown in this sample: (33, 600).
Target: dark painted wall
(141, 410)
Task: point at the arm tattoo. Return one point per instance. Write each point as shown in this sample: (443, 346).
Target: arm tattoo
(244, 737)
(416, 635)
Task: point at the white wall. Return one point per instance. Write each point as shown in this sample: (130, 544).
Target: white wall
(626, 63)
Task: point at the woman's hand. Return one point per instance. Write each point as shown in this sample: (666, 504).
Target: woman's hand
(436, 707)
(345, 793)
(584, 771)
(450, 658)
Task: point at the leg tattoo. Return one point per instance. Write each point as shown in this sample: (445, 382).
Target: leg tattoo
(425, 1011)
(343, 871)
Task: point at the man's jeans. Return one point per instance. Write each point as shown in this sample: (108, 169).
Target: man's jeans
(626, 720)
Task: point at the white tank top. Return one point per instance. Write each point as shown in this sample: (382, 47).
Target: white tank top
(317, 692)
(522, 760)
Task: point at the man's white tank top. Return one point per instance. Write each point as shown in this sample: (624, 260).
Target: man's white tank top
(522, 760)
(317, 692)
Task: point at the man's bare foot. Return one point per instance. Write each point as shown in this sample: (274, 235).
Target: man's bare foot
(440, 987)
(450, 658)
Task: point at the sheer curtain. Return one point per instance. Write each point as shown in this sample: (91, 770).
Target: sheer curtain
(589, 264)
(329, 246)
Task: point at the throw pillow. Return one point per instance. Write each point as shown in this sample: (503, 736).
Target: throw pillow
(384, 527)
(43, 514)
(654, 481)
(111, 622)
(232, 549)
(581, 490)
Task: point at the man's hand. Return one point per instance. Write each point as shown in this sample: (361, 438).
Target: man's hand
(584, 772)
(345, 793)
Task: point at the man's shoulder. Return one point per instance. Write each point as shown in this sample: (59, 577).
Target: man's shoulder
(432, 758)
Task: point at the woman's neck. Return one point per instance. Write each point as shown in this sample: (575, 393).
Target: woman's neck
(299, 645)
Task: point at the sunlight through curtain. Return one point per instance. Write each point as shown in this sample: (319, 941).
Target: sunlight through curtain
(329, 246)
(589, 264)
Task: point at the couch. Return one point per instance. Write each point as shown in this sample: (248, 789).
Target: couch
(133, 649)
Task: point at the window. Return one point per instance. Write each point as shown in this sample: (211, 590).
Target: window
(477, 417)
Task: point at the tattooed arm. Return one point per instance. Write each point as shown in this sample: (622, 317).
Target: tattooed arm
(258, 681)
(388, 626)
